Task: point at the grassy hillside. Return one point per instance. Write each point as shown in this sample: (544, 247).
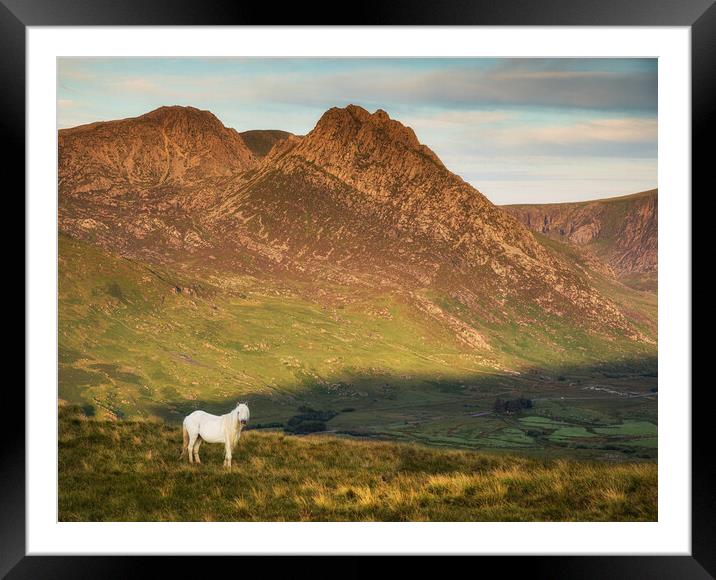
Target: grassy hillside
(130, 471)
(162, 338)
(146, 342)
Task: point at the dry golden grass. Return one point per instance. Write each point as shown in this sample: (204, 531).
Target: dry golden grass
(122, 471)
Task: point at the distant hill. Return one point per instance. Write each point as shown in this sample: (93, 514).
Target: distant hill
(260, 142)
(622, 231)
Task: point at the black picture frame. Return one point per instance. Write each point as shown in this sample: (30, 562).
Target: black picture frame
(16, 15)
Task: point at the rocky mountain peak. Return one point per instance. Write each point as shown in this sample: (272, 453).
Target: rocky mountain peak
(356, 123)
(177, 111)
(179, 118)
(171, 145)
(369, 151)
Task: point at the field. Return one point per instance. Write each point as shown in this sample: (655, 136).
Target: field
(130, 471)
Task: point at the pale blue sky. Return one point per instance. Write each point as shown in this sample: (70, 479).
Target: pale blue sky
(519, 130)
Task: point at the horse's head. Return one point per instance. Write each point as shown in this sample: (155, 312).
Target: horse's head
(243, 413)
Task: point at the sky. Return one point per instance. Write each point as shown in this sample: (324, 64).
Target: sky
(519, 130)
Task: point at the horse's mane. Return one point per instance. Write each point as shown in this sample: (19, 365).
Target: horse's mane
(234, 418)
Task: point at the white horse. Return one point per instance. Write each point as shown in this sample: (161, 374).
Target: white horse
(202, 426)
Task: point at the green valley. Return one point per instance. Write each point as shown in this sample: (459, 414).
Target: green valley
(148, 341)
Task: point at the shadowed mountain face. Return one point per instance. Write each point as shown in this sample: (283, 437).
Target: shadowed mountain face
(357, 202)
(260, 142)
(622, 231)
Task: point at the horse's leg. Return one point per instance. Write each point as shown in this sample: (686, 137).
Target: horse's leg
(192, 441)
(198, 443)
(185, 441)
(227, 457)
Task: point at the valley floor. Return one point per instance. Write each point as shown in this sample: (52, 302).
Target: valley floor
(131, 471)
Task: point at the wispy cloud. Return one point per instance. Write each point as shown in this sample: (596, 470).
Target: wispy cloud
(626, 130)
(459, 119)
(139, 86)
(561, 111)
(598, 133)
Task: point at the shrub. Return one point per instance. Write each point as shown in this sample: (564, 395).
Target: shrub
(512, 405)
(308, 420)
(272, 425)
(305, 427)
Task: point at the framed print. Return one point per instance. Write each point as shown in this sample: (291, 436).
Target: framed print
(392, 286)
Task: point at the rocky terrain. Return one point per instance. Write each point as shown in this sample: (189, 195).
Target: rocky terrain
(622, 231)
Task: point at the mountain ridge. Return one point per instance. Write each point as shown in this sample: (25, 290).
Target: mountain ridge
(358, 201)
(622, 231)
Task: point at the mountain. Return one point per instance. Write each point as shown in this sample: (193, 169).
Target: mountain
(360, 201)
(357, 211)
(168, 146)
(136, 185)
(260, 142)
(622, 231)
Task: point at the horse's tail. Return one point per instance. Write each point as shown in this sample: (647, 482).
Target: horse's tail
(185, 446)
